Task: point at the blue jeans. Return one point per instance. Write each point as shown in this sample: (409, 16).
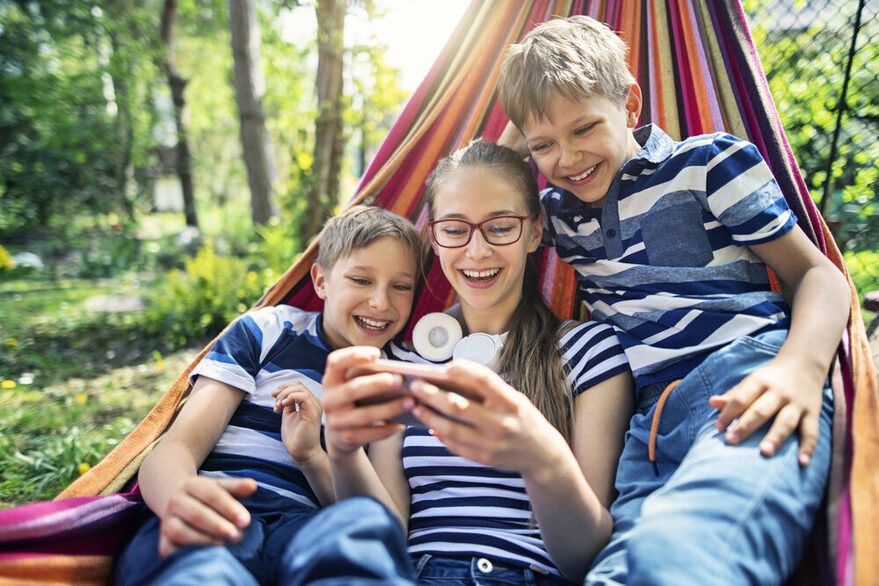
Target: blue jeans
(478, 571)
(711, 513)
(355, 542)
(261, 557)
(358, 542)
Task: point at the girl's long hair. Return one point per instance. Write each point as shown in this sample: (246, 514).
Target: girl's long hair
(530, 359)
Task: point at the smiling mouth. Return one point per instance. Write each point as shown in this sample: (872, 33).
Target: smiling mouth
(485, 275)
(377, 325)
(583, 175)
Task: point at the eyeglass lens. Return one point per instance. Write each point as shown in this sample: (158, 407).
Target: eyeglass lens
(500, 230)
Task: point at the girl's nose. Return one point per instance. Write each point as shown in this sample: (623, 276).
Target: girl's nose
(478, 246)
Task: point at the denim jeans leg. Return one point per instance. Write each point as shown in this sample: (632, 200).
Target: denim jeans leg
(356, 541)
(726, 514)
(636, 478)
(140, 563)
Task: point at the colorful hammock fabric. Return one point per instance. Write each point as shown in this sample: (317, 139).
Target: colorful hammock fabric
(698, 68)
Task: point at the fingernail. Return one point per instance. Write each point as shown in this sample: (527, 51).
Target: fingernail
(805, 459)
(408, 403)
(732, 437)
(767, 448)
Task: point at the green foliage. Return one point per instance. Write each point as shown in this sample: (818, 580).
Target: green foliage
(863, 266)
(6, 263)
(806, 71)
(38, 472)
(65, 148)
(203, 298)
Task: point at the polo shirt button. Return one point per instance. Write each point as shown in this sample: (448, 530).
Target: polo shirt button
(611, 233)
(484, 565)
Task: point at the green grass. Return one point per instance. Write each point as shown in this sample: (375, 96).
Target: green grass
(74, 381)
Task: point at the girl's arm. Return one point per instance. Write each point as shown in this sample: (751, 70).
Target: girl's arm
(195, 509)
(502, 428)
(348, 427)
(789, 388)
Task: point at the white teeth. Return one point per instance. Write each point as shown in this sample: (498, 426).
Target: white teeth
(373, 323)
(585, 174)
(480, 274)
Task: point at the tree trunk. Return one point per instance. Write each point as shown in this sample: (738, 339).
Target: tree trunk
(249, 91)
(323, 194)
(178, 86)
(121, 72)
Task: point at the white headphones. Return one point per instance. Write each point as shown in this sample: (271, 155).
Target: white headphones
(438, 337)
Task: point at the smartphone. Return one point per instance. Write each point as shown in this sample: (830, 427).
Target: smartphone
(434, 374)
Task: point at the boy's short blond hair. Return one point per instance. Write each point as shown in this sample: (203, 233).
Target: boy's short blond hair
(360, 226)
(575, 57)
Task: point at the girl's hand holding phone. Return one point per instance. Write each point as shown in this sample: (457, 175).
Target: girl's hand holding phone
(360, 409)
(494, 424)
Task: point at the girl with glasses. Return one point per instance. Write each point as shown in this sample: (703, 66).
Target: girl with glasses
(510, 478)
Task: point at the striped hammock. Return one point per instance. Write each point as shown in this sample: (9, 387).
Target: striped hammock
(699, 72)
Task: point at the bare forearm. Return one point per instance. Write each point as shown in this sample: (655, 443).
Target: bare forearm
(821, 305)
(573, 523)
(163, 472)
(354, 475)
(320, 479)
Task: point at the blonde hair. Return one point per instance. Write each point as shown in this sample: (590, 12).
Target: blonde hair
(358, 227)
(575, 57)
(531, 358)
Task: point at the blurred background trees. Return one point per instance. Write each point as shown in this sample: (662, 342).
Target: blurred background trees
(112, 111)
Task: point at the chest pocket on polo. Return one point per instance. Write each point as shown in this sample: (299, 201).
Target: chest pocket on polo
(674, 236)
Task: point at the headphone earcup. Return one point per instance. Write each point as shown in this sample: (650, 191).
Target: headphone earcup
(435, 336)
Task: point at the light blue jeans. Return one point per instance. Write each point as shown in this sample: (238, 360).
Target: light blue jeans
(708, 512)
(358, 542)
(261, 557)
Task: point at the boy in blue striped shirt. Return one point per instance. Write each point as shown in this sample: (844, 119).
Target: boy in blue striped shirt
(242, 467)
(670, 242)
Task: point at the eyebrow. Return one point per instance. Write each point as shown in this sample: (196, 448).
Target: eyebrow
(372, 269)
(489, 215)
(580, 121)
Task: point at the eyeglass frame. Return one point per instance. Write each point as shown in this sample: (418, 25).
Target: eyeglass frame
(478, 226)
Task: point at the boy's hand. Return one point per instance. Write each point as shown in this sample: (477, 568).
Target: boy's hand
(513, 138)
(791, 395)
(300, 421)
(350, 426)
(205, 512)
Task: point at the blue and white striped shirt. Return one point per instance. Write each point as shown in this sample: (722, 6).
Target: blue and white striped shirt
(261, 351)
(665, 260)
(460, 507)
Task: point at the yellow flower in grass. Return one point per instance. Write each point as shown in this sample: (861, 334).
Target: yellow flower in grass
(80, 398)
(8, 384)
(160, 365)
(83, 468)
(11, 343)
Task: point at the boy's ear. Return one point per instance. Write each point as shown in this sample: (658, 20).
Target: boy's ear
(633, 105)
(319, 280)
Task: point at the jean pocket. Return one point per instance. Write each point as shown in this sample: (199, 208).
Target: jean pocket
(674, 236)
